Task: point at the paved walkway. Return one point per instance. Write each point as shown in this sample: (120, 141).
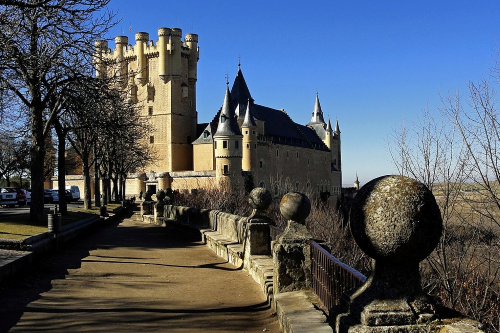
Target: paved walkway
(135, 277)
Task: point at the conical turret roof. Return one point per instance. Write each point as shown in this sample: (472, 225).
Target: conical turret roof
(249, 121)
(337, 129)
(227, 120)
(317, 115)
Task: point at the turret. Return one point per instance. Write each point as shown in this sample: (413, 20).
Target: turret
(122, 66)
(317, 115)
(163, 52)
(336, 136)
(328, 134)
(176, 50)
(227, 141)
(191, 41)
(356, 183)
(249, 130)
(101, 46)
(141, 39)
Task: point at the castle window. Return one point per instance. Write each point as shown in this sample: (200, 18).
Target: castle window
(277, 153)
(262, 184)
(248, 146)
(225, 171)
(296, 186)
(307, 161)
(297, 155)
(287, 153)
(205, 134)
(223, 118)
(260, 164)
(236, 144)
(224, 144)
(150, 110)
(253, 132)
(151, 139)
(308, 186)
(185, 92)
(255, 146)
(246, 132)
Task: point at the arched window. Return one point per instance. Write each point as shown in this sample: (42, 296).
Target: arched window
(262, 184)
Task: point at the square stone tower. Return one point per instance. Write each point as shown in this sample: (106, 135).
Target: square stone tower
(161, 78)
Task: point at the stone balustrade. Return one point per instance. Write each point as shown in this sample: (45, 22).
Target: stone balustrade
(395, 220)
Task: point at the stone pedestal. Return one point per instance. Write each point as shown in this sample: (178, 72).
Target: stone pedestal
(292, 249)
(396, 221)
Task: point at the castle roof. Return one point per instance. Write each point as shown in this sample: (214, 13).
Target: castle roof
(228, 124)
(317, 115)
(249, 118)
(279, 127)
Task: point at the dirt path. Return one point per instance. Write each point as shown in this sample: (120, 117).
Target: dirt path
(135, 278)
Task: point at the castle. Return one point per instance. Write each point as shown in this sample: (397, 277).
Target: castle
(244, 139)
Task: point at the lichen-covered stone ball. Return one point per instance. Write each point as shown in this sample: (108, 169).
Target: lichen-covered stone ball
(260, 198)
(295, 206)
(397, 219)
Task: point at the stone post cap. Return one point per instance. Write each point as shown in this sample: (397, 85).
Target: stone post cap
(260, 198)
(396, 219)
(295, 206)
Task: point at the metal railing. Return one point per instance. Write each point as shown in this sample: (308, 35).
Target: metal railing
(331, 277)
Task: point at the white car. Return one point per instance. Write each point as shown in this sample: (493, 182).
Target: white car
(8, 197)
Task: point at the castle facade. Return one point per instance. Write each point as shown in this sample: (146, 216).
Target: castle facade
(244, 140)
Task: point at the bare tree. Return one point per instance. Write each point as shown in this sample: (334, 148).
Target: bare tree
(456, 157)
(43, 46)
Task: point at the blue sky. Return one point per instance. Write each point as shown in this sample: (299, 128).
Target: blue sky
(374, 64)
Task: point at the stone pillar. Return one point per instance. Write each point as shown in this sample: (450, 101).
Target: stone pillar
(160, 204)
(396, 221)
(292, 249)
(258, 241)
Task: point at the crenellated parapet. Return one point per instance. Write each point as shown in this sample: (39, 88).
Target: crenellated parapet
(127, 60)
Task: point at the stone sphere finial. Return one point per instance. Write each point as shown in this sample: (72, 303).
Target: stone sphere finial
(295, 206)
(160, 195)
(396, 219)
(260, 198)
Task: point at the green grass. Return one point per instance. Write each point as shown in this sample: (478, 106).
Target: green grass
(18, 226)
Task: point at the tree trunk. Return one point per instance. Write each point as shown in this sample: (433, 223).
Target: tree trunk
(97, 187)
(61, 167)
(87, 200)
(37, 154)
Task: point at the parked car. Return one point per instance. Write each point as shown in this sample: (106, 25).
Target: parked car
(69, 196)
(28, 196)
(8, 197)
(74, 190)
(47, 196)
(20, 195)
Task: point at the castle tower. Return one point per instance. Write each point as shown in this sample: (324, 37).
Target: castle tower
(101, 47)
(356, 183)
(228, 145)
(328, 134)
(141, 39)
(336, 146)
(317, 114)
(121, 65)
(249, 130)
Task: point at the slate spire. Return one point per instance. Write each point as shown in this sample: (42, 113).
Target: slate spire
(317, 115)
(227, 120)
(249, 121)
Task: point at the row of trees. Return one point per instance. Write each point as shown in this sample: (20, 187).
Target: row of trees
(456, 153)
(47, 86)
